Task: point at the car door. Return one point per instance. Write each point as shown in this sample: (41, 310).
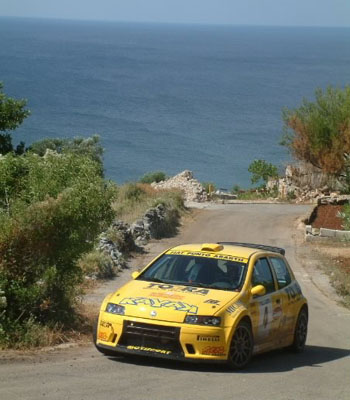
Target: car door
(284, 289)
(262, 307)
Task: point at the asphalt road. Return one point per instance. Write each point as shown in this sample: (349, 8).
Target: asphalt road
(321, 372)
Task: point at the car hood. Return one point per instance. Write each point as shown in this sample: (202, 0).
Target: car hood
(167, 302)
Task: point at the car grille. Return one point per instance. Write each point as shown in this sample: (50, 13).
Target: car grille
(148, 335)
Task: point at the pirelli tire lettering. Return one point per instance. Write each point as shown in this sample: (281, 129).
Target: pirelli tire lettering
(201, 338)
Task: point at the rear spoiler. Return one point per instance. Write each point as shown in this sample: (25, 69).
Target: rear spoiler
(257, 246)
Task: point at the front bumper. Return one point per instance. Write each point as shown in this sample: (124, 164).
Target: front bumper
(177, 341)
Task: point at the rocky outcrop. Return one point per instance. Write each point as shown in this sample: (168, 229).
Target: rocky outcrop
(306, 183)
(192, 189)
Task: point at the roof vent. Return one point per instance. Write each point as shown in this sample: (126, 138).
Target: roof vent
(211, 247)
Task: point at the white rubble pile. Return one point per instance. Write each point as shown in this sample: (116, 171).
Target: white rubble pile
(192, 189)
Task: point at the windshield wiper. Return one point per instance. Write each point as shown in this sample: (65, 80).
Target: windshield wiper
(150, 279)
(195, 284)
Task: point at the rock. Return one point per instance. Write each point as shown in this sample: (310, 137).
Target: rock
(192, 189)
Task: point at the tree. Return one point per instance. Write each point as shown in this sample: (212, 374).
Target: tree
(262, 170)
(89, 147)
(318, 132)
(12, 114)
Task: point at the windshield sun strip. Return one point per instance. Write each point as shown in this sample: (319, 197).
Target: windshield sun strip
(225, 257)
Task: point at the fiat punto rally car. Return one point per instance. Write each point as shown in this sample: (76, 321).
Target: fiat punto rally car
(206, 302)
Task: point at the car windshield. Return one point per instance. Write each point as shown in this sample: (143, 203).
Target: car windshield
(196, 271)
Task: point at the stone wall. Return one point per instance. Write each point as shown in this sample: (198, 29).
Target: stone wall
(192, 189)
(122, 238)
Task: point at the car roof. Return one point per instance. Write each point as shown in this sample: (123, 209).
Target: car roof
(236, 249)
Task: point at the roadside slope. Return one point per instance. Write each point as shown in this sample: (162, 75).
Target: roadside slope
(321, 372)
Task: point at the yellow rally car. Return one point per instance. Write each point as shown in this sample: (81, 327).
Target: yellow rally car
(207, 302)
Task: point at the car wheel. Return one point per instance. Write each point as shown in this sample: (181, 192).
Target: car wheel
(241, 348)
(94, 338)
(300, 332)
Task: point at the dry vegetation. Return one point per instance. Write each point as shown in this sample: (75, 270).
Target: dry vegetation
(134, 199)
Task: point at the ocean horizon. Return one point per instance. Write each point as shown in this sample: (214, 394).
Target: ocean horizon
(168, 97)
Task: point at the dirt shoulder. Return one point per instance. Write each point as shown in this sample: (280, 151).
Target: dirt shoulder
(327, 261)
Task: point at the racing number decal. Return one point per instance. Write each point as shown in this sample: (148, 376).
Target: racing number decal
(265, 317)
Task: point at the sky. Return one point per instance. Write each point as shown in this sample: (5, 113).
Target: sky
(233, 12)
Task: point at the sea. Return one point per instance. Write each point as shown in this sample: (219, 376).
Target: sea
(169, 97)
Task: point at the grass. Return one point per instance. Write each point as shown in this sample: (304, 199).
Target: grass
(134, 199)
(255, 195)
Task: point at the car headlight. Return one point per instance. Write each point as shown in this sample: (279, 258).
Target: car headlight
(115, 309)
(202, 320)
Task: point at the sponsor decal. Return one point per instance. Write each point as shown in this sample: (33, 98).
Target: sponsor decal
(207, 255)
(208, 338)
(105, 324)
(158, 303)
(150, 349)
(214, 351)
(167, 295)
(265, 317)
(103, 336)
(211, 301)
(183, 289)
(277, 313)
(231, 309)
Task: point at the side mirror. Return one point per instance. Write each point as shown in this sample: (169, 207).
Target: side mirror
(135, 274)
(258, 290)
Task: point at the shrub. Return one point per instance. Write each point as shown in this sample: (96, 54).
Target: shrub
(98, 264)
(319, 132)
(236, 189)
(209, 187)
(51, 211)
(345, 216)
(151, 177)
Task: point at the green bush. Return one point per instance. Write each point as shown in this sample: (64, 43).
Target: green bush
(151, 177)
(51, 211)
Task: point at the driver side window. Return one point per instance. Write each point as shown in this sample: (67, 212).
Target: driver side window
(262, 275)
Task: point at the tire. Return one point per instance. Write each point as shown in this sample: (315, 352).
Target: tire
(241, 347)
(300, 332)
(106, 352)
